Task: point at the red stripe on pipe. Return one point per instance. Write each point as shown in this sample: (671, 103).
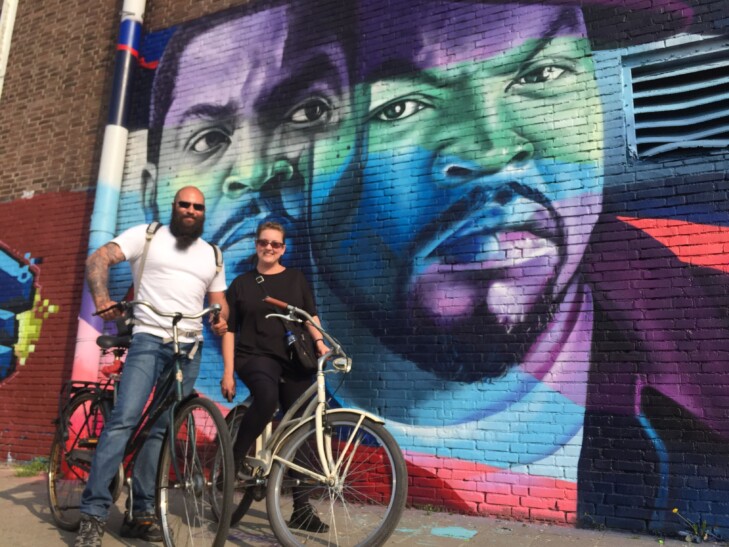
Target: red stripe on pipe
(131, 50)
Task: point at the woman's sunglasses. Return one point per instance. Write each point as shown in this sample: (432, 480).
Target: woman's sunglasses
(263, 243)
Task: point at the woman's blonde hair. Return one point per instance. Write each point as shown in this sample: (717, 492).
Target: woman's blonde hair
(271, 225)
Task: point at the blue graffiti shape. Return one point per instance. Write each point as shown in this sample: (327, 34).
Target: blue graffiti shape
(17, 290)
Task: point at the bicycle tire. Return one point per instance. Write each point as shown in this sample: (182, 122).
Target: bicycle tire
(242, 497)
(367, 501)
(70, 458)
(204, 458)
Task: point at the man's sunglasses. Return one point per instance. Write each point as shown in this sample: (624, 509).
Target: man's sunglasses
(188, 204)
(263, 243)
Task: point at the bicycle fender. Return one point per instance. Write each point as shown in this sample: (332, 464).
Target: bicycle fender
(190, 397)
(366, 414)
(178, 404)
(333, 411)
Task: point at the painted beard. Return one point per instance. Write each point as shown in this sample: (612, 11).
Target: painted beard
(479, 344)
(185, 235)
(474, 347)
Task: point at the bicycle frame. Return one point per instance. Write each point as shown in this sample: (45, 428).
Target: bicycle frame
(105, 393)
(319, 416)
(340, 463)
(164, 399)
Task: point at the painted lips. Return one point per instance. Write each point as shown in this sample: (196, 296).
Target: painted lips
(474, 233)
(502, 249)
(505, 249)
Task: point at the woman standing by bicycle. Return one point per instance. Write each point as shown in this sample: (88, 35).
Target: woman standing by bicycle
(259, 354)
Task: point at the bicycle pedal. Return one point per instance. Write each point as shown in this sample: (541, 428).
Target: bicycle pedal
(243, 484)
(91, 442)
(80, 456)
(258, 492)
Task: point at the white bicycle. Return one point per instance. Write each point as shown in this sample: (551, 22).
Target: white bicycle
(348, 465)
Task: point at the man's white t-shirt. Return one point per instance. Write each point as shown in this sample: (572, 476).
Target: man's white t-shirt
(173, 280)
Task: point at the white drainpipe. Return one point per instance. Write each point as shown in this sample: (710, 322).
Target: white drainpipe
(108, 184)
(7, 22)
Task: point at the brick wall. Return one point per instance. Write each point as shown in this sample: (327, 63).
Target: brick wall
(602, 402)
(53, 98)
(50, 232)
(54, 109)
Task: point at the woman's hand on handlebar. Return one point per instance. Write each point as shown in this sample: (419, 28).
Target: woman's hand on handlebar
(321, 347)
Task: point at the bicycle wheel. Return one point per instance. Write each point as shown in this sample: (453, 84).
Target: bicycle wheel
(242, 496)
(364, 502)
(198, 479)
(71, 454)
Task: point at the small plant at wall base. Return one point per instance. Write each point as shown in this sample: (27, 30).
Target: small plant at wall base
(698, 532)
(589, 522)
(32, 468)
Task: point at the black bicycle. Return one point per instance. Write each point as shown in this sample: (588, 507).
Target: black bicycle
(195, 473)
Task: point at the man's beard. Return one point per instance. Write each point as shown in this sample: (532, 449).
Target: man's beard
(185, 235)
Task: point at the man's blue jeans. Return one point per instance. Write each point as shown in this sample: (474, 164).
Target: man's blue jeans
(147, 362)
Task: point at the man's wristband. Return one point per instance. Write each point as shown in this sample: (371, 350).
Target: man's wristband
(318, 340)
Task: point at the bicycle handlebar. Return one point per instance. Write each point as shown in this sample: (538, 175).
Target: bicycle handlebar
(280, 304)
(293, 312)
(125, 305)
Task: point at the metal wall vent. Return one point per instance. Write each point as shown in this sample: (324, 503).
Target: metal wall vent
(677, 100)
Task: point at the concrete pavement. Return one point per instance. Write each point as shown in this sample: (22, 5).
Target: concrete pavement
(25, 521)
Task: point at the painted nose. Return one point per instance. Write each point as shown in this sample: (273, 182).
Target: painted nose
(460, 163)
(242, 181)
(247, 171)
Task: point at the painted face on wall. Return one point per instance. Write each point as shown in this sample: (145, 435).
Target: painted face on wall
(251, 97)
(481, 180)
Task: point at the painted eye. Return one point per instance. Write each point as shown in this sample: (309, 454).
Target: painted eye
(541, 75)
(311, 112)
(209, 141)
(399, 110)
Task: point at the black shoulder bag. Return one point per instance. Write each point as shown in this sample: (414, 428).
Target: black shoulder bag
(299, 345)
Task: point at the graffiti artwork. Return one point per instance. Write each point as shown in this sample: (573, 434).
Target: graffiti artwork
(539, 348)
(21, 310)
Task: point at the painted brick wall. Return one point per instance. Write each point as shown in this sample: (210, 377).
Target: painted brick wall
(53, 107)
(49, 231)
(52, 115)
(610, 418)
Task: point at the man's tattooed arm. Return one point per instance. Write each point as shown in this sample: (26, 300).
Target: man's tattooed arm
(97, 273)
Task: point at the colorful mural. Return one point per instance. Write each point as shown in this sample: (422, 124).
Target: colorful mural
(540, 348)
(41, 273)
(22, 310)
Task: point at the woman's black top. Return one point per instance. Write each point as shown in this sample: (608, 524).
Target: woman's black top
(256, 335)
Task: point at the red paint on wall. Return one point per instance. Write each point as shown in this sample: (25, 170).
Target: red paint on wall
(53, 229)
(696, 244)
(470, 487)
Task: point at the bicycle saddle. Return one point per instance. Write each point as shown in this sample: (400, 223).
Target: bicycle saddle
(106, 341)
